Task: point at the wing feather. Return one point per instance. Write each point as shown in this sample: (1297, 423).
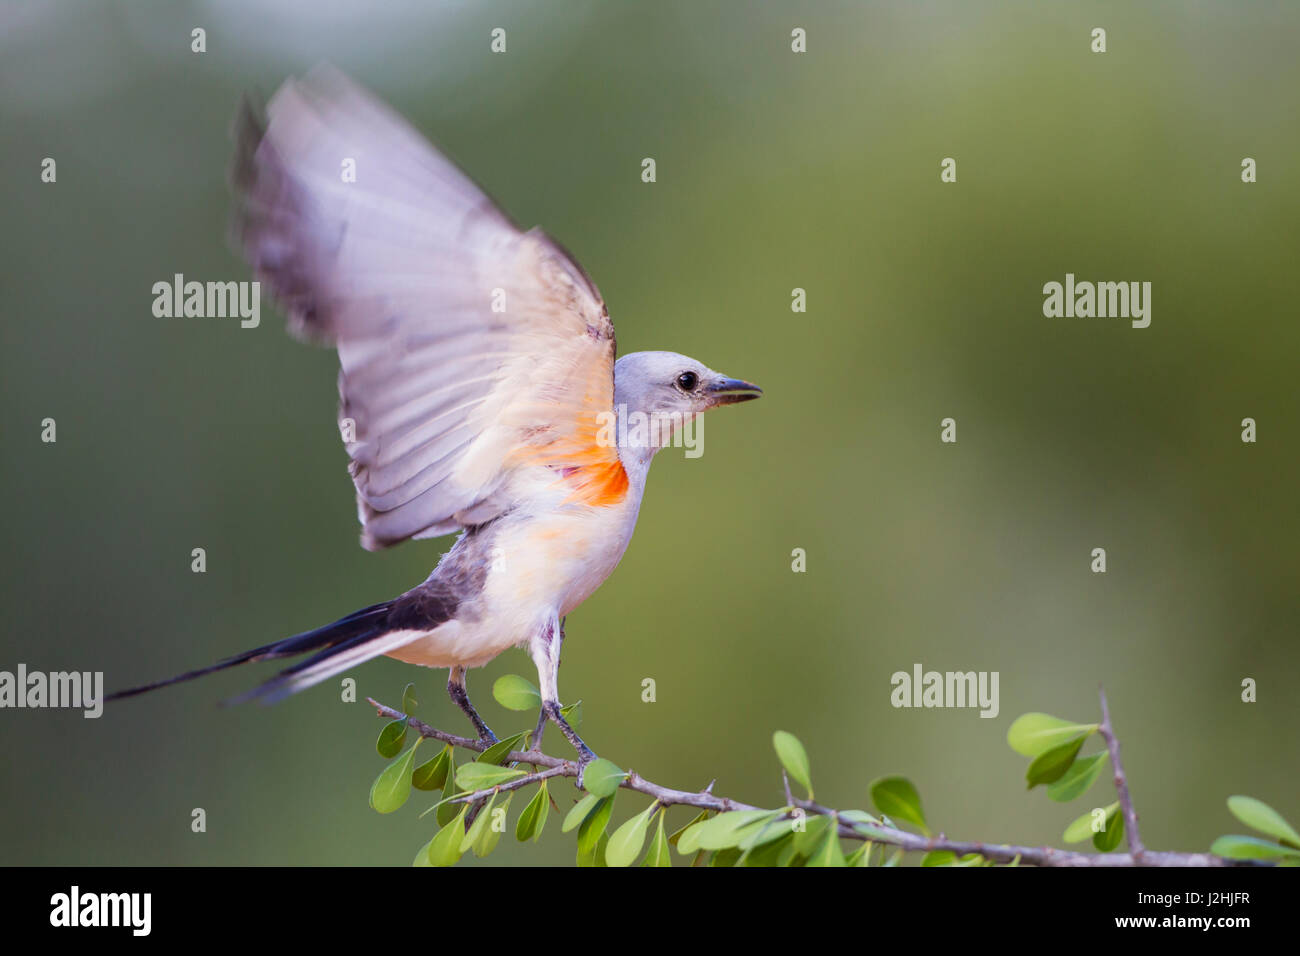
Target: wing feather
(399, 270)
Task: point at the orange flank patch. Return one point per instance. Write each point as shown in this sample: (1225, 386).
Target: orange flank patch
(598, 484)
(591, 467)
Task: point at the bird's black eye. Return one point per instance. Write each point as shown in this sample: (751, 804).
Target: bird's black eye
(687, 381)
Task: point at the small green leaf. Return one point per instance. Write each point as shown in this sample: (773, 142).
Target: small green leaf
(573, 713)
(778, 852)
(593, 855)
(488, 838)
(409, 703)
(830, 853)
(475, 831)
(393, 786)
(894, 860)
(533, 818)
(432, 774)
(1051, 765)
(625, 843)
(592, 829)
(497, 753)
(861, 856)
(580, 812)
(1083, 773)
(1032, 734)
(1258, 815)
(807, 840)
(482, 776)
(677, 834)
(391, 739)
(897, 797)
(939, 858)
(1081, 829)
(515, 693)
(658, 854)
(422, 855)
(793, 758)
(444, 848)
(1251, 848)
(602, 777)
(447, 812)
(724, 830)
(1109, 839)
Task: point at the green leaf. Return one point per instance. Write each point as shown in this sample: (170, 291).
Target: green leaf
(444, 848)
(677, 834)
(602, 777)
(422, 855)
(807, 840)
(894, 860)
(1081, 829)
(658, 854)
(592, 829)
(573, 714)
(1258, 815)
(861, 856)
(1083, 773)
(391, 739)
(858, 816)
(1109, 839)
(724, 830)
(793, 758)
(480, 824)
(432, 774)
(393, 786)
(1051, 765)
(593, 855)
(487, 840)
(515, 693)
(482, 776)
(625, 843)
(497, 753)
(939, 858)
(447, 812)
(778, 852)
(1032, 734)
(830, 853)
(1251, 848)
(897, 797)
(409, 703)
(534, 816)
(580, 812)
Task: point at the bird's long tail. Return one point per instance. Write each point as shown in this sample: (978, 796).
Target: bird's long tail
(340, 646)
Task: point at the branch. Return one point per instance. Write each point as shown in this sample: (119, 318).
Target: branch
(706, 800)
(1121, 782)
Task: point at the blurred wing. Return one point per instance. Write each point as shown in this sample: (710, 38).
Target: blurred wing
(468, 349)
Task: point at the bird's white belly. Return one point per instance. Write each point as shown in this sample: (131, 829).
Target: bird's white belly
(541, 567)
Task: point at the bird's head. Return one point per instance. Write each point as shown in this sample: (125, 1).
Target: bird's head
(664, 392)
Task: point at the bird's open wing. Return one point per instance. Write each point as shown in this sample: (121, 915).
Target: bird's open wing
(467, 348)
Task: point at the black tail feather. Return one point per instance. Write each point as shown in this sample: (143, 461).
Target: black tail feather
(357, 627)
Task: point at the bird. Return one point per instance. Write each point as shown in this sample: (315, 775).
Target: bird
(479, 392)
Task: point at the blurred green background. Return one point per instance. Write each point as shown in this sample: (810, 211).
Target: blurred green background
(775, 171)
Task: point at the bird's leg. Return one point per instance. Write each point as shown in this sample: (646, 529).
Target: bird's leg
(545, 651)
(456, 690)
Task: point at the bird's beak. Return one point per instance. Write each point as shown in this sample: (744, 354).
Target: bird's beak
(729, 391)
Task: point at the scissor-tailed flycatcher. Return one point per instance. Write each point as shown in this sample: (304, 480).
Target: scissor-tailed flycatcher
(478, 387)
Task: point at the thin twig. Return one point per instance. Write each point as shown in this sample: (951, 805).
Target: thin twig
(1121, 783)
(705, 800)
